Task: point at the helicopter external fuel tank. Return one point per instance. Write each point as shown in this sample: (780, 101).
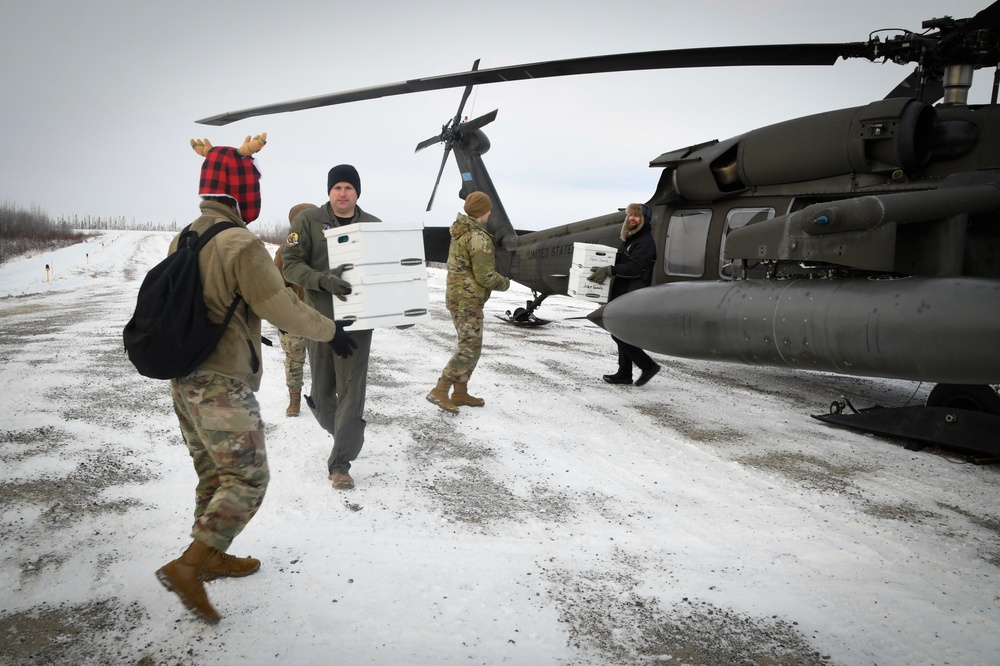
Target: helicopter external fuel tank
(943, 330)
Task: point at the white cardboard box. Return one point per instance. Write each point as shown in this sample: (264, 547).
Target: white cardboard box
(376, 248)
(583, 289)
(585, 257)
(589, 255)
(387, 272)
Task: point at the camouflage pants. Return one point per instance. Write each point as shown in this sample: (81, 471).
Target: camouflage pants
(295, 358)
(220, 421)
(469, 327)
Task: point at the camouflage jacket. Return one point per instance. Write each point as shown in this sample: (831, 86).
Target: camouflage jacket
(472, 273)
(299, 291)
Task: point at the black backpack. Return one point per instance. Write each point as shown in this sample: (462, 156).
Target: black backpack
(170, 334)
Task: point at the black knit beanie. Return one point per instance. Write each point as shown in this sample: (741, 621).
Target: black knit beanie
(343, 173)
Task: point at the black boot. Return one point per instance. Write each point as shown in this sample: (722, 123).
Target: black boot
(619, 378)
(647, 374)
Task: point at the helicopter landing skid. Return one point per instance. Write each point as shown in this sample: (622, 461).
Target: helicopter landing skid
(521, 317)
(965, 429)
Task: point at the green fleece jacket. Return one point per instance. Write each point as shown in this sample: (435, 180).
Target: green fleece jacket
(236, 261)
(305, 257)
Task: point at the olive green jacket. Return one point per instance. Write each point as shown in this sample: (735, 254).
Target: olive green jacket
(304, 254)
(472, 273)
(236, 261)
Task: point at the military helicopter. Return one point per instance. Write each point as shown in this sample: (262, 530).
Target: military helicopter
(861, 241)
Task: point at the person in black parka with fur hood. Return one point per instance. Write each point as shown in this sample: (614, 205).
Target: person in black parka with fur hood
(633, 270)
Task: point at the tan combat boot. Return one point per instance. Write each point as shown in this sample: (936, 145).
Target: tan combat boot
(294, 400)
(183, 576)
(342, 480)
(223, 565)
(461, 396)
(439, 396)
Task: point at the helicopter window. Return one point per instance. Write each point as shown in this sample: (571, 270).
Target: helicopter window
(685, 245)
(738, 217)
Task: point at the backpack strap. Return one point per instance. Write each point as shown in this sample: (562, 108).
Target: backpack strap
(207, 235)
(199, 242)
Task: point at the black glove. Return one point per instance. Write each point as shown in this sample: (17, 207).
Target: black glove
(332, 283)
(599, 274)
(342, 343)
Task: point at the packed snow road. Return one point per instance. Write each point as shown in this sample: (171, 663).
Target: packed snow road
(704, 518)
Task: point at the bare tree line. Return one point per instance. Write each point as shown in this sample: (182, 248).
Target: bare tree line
(25, 230)
(274, 232)
(89, 222)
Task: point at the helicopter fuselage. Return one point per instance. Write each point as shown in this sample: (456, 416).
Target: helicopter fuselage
(888, 250)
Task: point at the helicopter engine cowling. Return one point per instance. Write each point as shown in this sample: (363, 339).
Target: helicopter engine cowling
(881, 137)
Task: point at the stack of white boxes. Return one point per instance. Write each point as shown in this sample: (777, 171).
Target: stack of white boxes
(585, 257)
(387, 272)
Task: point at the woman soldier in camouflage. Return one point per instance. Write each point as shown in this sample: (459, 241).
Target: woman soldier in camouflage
(472, 276)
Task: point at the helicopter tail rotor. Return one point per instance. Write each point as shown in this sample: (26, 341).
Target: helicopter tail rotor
(465, 133)
(449, 132)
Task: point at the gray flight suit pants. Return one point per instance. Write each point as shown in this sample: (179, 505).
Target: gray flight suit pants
(338, 397)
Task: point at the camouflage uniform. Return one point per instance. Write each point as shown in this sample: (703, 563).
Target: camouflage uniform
(472, 277)
(294, 347)
(220, 421)
(215, 405)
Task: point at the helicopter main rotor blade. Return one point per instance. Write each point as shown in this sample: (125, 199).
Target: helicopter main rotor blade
(726, 56)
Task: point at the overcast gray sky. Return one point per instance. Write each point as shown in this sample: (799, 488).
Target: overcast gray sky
(100, 98)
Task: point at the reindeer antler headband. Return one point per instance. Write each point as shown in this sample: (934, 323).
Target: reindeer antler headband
(249, 147)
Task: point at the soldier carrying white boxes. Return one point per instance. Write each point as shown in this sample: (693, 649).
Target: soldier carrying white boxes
(338, 384)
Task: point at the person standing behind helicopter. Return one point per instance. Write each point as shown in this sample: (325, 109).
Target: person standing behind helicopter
(472, 276)
(633, 270)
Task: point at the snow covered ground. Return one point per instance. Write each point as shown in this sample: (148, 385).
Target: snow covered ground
(705, 518)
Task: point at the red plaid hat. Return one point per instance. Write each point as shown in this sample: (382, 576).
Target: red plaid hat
(226, 173)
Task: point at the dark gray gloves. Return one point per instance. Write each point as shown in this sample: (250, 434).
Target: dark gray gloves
(599, 274)
(343, 345)
(332, 283)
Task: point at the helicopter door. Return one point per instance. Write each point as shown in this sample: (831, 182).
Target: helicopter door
(738, 217)
(684, 248)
